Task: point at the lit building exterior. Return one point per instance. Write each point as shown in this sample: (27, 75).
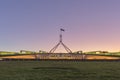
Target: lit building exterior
(60, 56)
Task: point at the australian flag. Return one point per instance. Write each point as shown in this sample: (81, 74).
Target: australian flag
(62, 29)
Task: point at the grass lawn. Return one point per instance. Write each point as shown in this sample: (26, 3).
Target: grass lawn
(61, 70)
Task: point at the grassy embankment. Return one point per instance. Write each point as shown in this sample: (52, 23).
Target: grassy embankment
(53, 70)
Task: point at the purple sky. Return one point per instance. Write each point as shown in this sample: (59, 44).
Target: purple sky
(34, 24)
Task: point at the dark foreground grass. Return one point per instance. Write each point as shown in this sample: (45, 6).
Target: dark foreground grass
(61, 70)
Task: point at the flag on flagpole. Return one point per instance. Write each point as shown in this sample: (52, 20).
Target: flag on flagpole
(62, 29)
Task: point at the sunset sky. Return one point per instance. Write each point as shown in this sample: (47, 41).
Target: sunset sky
(34, 25)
